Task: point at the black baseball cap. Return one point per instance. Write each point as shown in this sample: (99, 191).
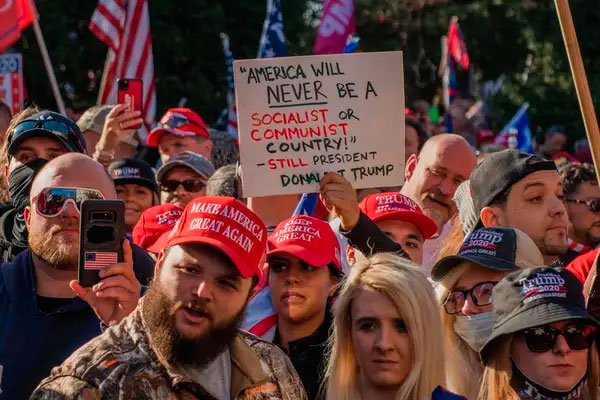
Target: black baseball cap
(500, 249)
(534, 297)
(499, 171)
(130, 170)
(49, 124)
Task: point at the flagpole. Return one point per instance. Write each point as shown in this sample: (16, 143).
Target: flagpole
(579, 77)
(42, 45)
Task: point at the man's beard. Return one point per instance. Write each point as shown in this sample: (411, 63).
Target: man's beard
(55, 252)
(159, 315)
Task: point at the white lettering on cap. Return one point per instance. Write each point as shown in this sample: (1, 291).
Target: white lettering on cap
(239, 238)
(242, 219)
(206, 224)
(542, 285)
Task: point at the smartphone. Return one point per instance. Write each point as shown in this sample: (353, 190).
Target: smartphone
(101, 235)
(130, 92)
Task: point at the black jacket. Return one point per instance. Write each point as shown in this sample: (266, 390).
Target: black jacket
(367, 238)
(308, 356)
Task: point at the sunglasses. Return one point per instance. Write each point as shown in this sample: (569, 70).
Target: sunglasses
(178, 122)
(592, 204)
(190, 185)
(542, 338)
(50, 202)
(53, 126)
(481, 294)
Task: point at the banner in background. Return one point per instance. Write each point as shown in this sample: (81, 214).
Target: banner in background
(11, 80)
(337, 24)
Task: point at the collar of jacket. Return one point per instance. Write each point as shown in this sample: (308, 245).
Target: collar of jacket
(246, 368)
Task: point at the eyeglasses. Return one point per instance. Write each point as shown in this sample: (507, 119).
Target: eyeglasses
(190, 185)
(542, 338)
(53, 126)
(592, 204)
(50, 202)
(481, 294)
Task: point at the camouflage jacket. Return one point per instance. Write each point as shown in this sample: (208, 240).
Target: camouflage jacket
(121, 364)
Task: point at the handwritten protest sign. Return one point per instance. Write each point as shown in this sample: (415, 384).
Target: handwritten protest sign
(11, 80)
(301, 117)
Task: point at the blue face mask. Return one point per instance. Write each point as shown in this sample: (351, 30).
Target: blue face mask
(474, 329)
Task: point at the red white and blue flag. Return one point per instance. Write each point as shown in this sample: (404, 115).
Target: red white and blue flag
(124, 25)
(231, 115)
(99, 259)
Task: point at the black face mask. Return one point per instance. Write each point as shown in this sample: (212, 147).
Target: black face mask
(19, 185)
(530, 390)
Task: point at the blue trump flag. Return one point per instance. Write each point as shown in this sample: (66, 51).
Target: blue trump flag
(351, 43)
(520, 123)
(272, 41)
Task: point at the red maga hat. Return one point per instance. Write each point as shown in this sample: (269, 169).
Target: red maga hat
(396, 206)
(152, 230)
(180, 122)
(310, 239)
(227, 224)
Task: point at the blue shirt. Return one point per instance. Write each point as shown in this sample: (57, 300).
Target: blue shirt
(31, 342)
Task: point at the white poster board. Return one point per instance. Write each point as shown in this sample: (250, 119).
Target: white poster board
(301, 117)
(11, 80)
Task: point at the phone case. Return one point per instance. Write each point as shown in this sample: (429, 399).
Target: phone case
(130, 92)
(101, 234)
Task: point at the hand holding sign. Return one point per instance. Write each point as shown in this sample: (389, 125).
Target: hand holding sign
(301, 117)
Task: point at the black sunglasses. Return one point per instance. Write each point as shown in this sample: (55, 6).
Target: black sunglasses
(542, 338)
(190, 185)
(481, 294)
(592, 204)
(53, 126)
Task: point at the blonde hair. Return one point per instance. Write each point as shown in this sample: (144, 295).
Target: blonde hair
(407, 288)
(453, 240)
(463, 366)
(498, 373)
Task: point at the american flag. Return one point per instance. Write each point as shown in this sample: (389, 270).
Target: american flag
(272, 41)
(124, 25)
(99, 259)
(231, 110)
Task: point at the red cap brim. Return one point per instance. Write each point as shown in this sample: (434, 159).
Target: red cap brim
(160, 243)
(245, 270)
(155, 135)
(426, 225)
(309, 256)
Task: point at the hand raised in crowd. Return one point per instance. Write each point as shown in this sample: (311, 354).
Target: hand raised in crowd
(117, 294)
(340, 197)
(119, 125)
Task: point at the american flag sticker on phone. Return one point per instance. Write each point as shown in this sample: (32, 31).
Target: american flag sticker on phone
(99, 259)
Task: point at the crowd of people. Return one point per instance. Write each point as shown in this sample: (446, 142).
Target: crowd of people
(471, 280)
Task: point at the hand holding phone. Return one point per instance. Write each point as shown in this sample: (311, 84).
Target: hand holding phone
(117, 293)
(130, 93)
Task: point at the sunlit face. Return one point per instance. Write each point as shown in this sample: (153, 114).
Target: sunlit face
(181, 197)
(137, 199)
(171, 144)
(475, 275)
(560, 368)
(382, 344)
(407, 234)
(438, 171)
(211, 290)
(536, 206)
(299, 291)
(584, 225)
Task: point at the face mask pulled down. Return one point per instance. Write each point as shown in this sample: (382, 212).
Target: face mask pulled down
(474, 329)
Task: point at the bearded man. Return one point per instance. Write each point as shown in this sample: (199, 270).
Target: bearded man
(182, 341)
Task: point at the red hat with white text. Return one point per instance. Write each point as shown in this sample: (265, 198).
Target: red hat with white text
(396, 206)
(227, 224)
(180, 122)
(152, 230)
(310, 239)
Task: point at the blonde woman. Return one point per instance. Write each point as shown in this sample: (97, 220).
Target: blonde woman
(464, 292)
(542, 345)
(387, 338)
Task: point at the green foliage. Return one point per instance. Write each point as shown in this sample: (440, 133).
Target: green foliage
(518, 38)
